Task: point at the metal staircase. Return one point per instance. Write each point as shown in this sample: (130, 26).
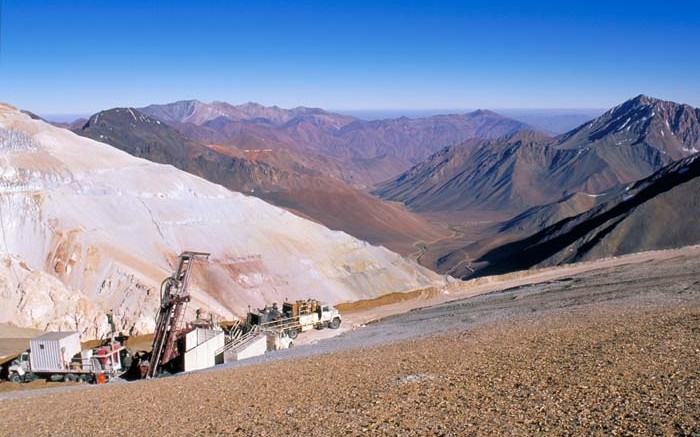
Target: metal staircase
(240, 340)
(237, 340)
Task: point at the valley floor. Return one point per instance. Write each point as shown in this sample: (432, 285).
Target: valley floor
(615, 350)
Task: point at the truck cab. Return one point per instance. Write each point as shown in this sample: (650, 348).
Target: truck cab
(329, 316)
(308, 314)
(20, 369)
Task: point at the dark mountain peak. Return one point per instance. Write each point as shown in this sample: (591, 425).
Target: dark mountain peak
(631, 107)
(138, 134)
(646, 104)
(486, 113)
(671, 128)
(121, 117)
(643, 99)
(32, 115)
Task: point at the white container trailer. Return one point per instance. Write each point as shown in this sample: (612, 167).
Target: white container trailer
(53, 351)
(58, 356)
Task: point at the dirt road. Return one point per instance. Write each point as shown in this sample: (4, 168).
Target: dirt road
(364, 312)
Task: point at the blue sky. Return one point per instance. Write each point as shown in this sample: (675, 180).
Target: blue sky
(82, 56)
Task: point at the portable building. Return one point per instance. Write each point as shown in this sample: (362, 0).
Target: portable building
(201, 346)
(53, 351)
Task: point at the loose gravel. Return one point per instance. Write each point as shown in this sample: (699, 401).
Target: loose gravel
(613, 352)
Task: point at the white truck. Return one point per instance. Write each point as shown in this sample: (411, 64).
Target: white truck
(58, 356)
(296, 317)
(321, 316)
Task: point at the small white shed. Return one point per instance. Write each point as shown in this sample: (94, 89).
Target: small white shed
(201, 346)
(53, 351)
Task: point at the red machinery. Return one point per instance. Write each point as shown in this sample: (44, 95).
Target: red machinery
(173, 301)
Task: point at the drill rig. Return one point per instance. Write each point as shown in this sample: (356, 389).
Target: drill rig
(173, 302)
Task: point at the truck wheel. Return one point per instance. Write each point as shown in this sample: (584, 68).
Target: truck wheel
(86, 378)
(292, 333)
(56, 377)
(15, 378)
(335, 323)
(70, 377)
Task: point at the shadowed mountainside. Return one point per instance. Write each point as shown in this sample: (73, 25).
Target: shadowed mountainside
(539, 180)
(654, 213)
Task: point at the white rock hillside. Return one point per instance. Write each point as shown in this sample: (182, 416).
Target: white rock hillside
(86, 228)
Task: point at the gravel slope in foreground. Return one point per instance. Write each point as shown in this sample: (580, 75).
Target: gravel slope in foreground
(607, 352)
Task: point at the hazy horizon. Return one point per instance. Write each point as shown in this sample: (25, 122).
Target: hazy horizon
(81, 56)
(548, 120)
(377, 114)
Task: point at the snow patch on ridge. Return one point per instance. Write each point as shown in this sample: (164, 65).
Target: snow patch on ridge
(624, 124)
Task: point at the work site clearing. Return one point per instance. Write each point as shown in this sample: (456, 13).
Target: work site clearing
(607, 347)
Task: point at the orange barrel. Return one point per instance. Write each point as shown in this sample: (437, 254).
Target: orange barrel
(101, 378)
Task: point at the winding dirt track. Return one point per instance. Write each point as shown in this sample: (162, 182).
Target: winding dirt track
(610, 350)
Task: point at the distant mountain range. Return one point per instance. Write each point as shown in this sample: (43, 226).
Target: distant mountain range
(381, 148)
(524, 169)
(551, 121)
(307, 160)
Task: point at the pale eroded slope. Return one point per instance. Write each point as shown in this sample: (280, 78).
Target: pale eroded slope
(87, 228)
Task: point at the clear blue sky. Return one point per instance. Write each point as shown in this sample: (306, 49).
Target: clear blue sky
(82, 56)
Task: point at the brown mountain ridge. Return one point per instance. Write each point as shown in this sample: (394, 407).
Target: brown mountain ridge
(658, 212)
(368, 151)
(536, 180)
(281, 176)
(522, 170)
